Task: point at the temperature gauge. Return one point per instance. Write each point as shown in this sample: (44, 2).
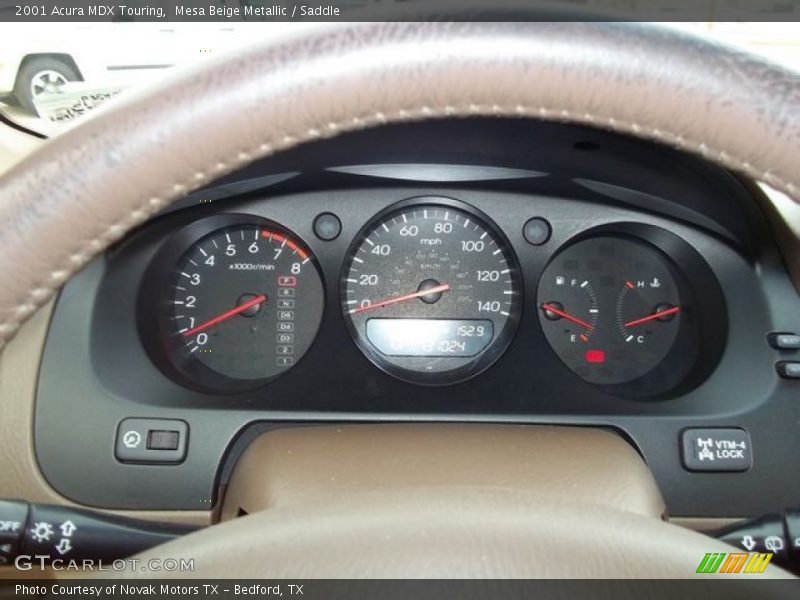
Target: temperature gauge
(612, 309)
(647, 313)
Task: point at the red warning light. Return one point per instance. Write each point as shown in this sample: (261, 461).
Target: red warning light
(595, 356)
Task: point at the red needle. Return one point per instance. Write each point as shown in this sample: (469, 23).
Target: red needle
(567, 316)
(226, 315)
(434, 290)
(657, 315)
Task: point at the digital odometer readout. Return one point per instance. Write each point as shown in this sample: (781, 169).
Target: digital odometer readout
(423, 337)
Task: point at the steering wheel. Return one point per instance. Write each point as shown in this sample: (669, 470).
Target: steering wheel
(86, 189)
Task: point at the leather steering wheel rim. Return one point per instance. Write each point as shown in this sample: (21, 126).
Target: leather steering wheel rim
(86, 189)
(442, 533)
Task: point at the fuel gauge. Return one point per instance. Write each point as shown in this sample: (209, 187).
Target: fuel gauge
(576, 310)
(612, 309)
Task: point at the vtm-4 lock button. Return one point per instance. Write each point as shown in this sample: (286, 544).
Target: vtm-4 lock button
(720, 449)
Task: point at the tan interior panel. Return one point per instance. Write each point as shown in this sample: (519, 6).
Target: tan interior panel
(309, 464)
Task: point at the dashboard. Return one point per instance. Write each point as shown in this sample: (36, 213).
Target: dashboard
(482, 270)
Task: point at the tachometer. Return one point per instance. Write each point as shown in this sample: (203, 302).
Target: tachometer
(238, 306)
(431, 291)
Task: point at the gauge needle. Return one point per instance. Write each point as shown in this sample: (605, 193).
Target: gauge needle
(434, 290)
(567, 316)
(656, 315)
(226, 315)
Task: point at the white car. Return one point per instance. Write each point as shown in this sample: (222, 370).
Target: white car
(38, 58)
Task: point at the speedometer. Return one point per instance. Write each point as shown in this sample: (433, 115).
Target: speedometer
(431, 291)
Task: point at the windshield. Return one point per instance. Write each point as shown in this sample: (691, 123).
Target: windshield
(54, 75)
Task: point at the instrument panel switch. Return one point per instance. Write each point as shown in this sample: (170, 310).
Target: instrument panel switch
(153, 441)
(714, 450)
(784, 341)
(788, 370)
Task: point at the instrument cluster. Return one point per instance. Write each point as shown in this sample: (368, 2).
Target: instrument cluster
(432, 292)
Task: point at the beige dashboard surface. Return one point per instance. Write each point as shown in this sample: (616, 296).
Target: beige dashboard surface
(296, 465)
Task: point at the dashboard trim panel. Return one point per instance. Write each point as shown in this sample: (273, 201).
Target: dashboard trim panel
(78, 366)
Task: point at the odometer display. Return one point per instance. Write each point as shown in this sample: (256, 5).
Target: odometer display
(431, 292)
(424, 337)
